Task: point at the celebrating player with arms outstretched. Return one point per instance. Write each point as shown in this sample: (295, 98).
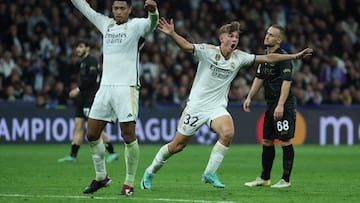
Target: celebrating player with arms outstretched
(218, 65)
(118, 95)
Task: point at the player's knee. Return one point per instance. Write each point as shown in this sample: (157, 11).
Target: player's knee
(227, 135)
(128, 137)
(284, 143)
(92, 137)
(267, 143)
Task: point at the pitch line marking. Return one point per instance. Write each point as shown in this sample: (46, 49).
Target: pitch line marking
(113, 198)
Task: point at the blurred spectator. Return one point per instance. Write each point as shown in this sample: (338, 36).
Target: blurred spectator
(181, 96)
(40, 101)
(345, 97)
(39, 36)
(28, 95)
(334, 97)
(317, 99)
(356, 99)
(12, 41)
(238, 90)
(10, 94)
(58, 96)
(7, 64)
(350, 26)
(332, 75)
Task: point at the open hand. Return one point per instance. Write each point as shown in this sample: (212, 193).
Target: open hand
(304, 53)
(166, 27)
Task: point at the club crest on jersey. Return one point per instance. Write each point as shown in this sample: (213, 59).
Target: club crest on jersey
(217, 57)
(111, 25)
(232, 65)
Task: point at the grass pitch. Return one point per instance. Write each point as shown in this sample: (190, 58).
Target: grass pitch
(31, 174)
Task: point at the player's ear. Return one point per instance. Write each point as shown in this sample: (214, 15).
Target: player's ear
(221, 37)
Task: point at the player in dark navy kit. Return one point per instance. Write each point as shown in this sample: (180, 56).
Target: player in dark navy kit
(84, 96)
(280, 115)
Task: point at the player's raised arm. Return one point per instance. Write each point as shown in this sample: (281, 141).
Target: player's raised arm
(151, 7)
(272, 58)
(168, 29)
(96, 18)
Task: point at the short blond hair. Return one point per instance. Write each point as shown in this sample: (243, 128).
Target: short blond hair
(234, 26)
(281, 29)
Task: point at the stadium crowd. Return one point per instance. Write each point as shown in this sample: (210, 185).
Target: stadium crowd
(38, 64)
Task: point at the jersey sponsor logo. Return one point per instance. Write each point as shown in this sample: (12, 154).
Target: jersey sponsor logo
(268, 71)
(220, 73)
(114, 38)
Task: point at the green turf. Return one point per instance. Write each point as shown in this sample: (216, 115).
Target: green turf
(30, 173)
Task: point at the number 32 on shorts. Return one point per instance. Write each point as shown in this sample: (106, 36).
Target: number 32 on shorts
(190, 120)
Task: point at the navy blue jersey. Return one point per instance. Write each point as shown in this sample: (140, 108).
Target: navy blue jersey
(273, 75)
(89, 79)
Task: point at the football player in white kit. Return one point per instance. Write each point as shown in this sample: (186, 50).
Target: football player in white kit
(118, 96)
(208, 99)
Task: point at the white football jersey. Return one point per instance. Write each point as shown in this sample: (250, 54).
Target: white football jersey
(121, 44)
(214, 75)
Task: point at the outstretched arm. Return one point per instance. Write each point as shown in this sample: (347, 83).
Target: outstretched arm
(168, 29)
(273, 58)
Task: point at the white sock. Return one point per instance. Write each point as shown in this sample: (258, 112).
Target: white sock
(216, 157)
(131, 161)
(98, 155)
(160, 159)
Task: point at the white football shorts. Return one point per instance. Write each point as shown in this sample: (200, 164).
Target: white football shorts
(116, 102)
(192, 118)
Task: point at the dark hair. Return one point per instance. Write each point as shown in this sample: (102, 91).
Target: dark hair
(234, 26)
(84, 41)
(128, 2)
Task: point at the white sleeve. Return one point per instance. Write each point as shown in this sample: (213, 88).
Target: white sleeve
(99, 20)
(149, 24)
(200, 51)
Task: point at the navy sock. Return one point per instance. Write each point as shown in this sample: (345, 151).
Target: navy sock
(74, 150)
(288, 160)
(268, 155)
(109, 147)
